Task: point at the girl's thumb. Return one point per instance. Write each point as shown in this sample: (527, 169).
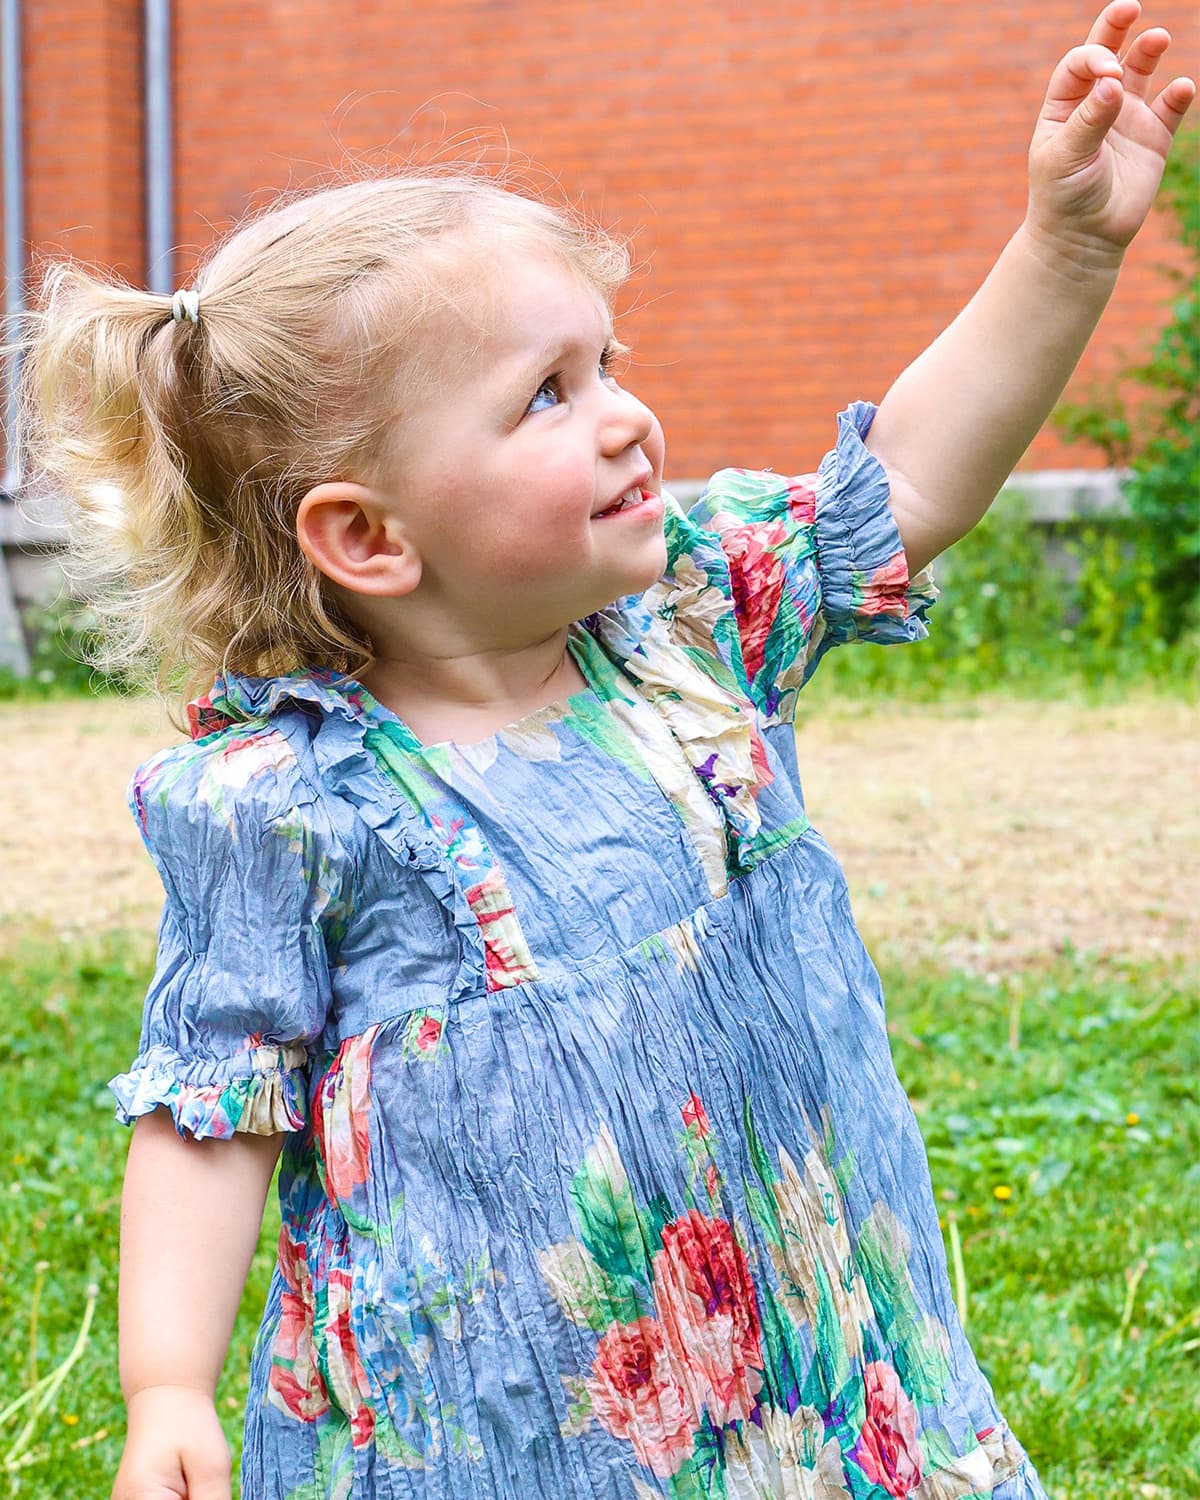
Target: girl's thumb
(1090, 121)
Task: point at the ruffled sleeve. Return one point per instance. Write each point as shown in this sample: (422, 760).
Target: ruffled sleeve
(813, 561)
(254, 883)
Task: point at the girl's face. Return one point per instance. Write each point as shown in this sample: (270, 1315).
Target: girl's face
(512, 465)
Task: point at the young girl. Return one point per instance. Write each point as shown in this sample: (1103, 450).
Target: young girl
(490, 893)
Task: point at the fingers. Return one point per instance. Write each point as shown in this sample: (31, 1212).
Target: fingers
(1142, 58)
(1112, 26)
(1076, 78)
(1173, 103)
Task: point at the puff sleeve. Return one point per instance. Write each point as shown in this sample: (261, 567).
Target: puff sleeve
(814, 561)
(254, 884)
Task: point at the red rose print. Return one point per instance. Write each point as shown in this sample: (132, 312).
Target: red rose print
(888, 1452)
(342, 1115)
(756, 575)
(886, 588)
(704, 1297)
(347, 1377)
(295, 1382)
(802, 502)
(636, 1395)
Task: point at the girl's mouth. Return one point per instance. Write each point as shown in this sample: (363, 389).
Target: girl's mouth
(633, 499)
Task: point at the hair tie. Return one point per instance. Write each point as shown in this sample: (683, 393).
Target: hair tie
(186, 305)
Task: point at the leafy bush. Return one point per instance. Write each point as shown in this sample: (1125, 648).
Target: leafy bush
(1010, 619)
(1159, 442)
(58, 647)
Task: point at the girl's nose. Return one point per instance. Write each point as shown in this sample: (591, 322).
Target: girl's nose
(627, 421)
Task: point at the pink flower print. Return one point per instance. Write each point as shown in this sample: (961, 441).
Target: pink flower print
(885, 590)
(637, 1397)
(756, 575)
(429, 1034)
(802, 502)
(694, 1114)
(763, 774)
(295, 1384)
(203, 718)
(342, 1117)
(704, 1297)
(347, 1378)
(888, 1452)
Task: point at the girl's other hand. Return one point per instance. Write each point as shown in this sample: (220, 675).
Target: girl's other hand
(174, 1449)
(1101, 141)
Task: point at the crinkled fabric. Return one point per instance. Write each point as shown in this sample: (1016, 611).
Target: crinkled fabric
(599, 1181)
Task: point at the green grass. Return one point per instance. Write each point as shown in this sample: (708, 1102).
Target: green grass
(1082, 1286)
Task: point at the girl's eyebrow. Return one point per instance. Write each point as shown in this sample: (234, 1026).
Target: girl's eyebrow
(530, 372)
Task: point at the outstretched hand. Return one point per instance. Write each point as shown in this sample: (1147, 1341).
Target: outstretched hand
(1101, 140)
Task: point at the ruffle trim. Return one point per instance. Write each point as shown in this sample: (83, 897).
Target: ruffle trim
(867, 592)
(268, 1100)
(234, 699)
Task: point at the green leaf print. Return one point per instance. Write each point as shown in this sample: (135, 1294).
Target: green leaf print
(590, 1296)
(396, 1449)
(831, 1364)
(657, 1214)
(702, 1476)
(763, 1211)
(761, 1161)
(592, 721)
(609, 1224)
(715, 668)
(919, 1342)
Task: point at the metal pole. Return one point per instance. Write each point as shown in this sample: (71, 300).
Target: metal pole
(14, 220)
(160, 185)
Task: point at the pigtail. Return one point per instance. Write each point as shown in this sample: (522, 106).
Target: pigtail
(95, 444)
(144, 450)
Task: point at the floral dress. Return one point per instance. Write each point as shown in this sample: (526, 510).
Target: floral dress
(599, 1181)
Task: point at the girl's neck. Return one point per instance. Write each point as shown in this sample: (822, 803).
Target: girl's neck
(468, 697)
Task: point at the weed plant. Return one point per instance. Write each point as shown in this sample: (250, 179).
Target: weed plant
(1062, 1112)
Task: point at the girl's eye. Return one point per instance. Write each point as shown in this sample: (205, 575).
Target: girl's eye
(549, 393)
(546, 395)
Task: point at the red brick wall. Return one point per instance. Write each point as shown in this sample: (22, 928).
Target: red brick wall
(83, 127)
(818, 187)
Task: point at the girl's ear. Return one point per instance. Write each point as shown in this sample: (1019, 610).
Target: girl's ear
(354, 537)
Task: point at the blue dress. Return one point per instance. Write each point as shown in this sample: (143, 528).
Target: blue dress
(599, 1182)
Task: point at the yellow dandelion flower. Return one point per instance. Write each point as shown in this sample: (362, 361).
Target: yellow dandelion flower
(1132, 1119)
(1002, 1192)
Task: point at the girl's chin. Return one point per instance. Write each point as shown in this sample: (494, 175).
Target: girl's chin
(639, 582)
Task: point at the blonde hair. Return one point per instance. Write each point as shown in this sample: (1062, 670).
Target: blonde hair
(180, 451)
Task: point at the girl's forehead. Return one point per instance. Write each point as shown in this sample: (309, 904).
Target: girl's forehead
(521, 306)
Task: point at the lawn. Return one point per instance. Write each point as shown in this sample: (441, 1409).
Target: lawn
(1062, 1112)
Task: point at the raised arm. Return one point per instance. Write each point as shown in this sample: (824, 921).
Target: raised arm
(953, 426)
(190, 1217)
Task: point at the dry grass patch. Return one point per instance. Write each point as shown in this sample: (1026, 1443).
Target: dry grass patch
(980, 835)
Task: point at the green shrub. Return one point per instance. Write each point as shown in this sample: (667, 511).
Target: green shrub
(1011, 620)
(58, 639)
(1159, 442)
